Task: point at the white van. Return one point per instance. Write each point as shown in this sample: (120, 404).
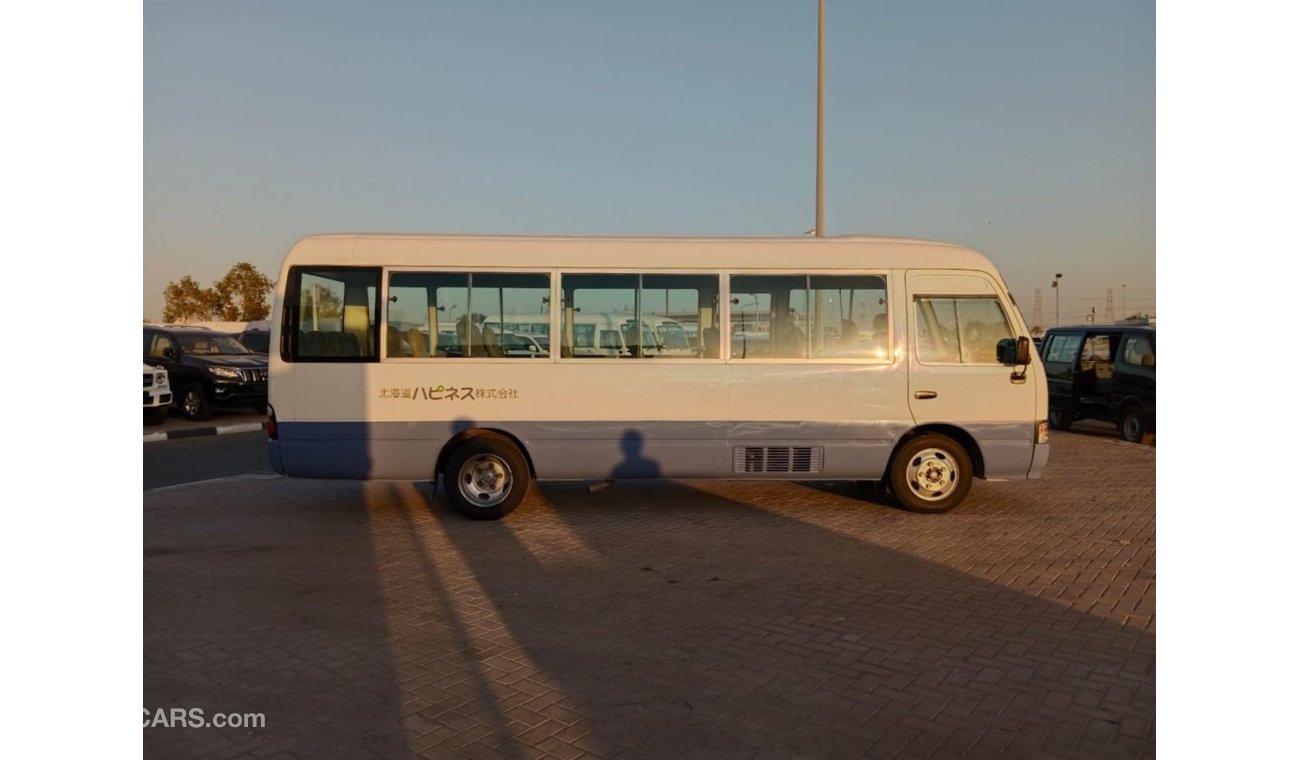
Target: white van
(785, 383)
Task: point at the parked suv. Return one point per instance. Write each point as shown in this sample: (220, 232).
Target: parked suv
(207, 369)
(157, 395)
(257, 341)
(1102, 372)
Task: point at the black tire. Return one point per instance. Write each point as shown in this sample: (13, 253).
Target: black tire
(931, 473)
(194, 403)
(156, 415)
(1132, 425)
(1060, 416)
(485, 478)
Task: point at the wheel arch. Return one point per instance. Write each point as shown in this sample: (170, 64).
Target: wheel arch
(1129, 402)
(958, 434)
(478, 432)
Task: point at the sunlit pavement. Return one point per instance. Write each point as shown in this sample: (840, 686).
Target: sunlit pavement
(662, 620)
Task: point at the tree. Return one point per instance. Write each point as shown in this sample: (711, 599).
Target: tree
(241, 294)
(185, 301)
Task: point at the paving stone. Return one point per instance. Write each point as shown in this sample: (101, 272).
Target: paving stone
(664, 619)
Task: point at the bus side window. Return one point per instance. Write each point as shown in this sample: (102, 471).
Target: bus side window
(336, 314)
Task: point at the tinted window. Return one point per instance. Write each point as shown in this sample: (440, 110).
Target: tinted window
(211, 344)
(1063, 348)
(256, 341)
(1138, 351)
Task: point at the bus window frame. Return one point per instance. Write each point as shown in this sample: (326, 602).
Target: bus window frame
(388, 270)
(558, 297)
(289, 321)
(888, 275)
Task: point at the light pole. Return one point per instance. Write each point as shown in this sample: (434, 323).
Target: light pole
(819, 229)
(1056, 285)
(1123, 300)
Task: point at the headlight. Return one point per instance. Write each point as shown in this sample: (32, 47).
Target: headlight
(160, 378)
(226, 372)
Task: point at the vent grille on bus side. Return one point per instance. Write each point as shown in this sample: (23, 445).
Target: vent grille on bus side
(777, 459)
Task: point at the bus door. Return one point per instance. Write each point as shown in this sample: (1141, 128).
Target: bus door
(955, 320)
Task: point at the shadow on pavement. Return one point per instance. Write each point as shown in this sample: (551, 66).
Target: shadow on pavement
(660, 619)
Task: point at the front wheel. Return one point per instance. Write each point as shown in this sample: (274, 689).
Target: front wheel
(194, 403)
(486, 478)
(1060, 417)
(931, 473)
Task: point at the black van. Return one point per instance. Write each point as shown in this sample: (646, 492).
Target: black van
(1102, 372)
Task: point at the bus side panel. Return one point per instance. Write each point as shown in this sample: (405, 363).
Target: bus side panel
(1007, 448)
(856, 412)
(615, 450)
(650, 449)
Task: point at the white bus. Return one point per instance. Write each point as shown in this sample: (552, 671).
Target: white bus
(902, 361)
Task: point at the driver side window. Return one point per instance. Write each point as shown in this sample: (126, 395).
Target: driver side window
(960, 329)
(160, 344)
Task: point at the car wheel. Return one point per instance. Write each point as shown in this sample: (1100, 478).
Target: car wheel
(194, 403)
(1131, 425)
(1060, 417)
(931, 473)
(486, 477)
(156, 415)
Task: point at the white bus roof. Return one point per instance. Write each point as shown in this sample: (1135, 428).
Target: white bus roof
(633, 253)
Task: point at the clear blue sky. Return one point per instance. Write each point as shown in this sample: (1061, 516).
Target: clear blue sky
(1026, 129)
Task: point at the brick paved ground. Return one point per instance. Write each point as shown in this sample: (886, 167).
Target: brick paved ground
(687, 619)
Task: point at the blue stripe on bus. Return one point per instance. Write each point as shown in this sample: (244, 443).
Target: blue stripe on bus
(568, 450)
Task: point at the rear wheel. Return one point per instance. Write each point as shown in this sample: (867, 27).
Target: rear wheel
(1131, 425)
(194, 403)
(931, 473)
(486, 478)
(1060, 416)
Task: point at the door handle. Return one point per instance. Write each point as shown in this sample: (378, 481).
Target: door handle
(925, 395)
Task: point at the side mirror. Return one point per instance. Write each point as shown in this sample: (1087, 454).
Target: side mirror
(1014, 351)
(169, 352)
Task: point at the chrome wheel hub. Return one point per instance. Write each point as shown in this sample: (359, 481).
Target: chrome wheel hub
(485, 480)
(932, 474)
